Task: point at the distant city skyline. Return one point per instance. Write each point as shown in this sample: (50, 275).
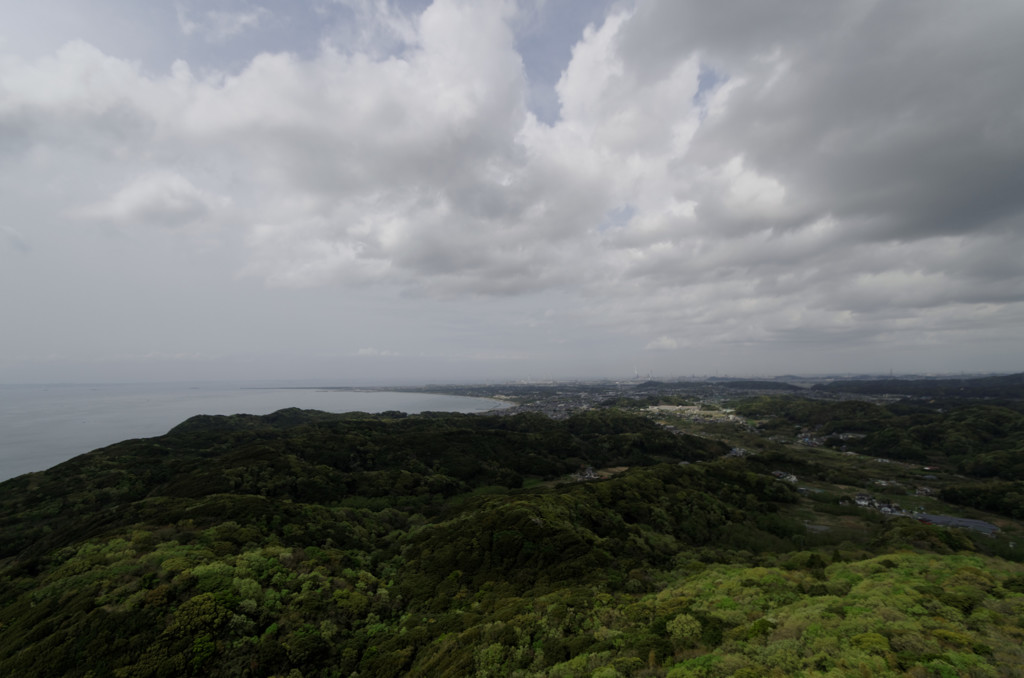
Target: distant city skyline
(404, 192)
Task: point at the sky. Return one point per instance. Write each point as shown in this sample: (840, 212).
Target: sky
(375, 191)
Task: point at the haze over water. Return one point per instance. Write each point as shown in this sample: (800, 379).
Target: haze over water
(44, 425)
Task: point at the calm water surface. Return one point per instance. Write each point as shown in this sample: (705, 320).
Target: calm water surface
(41, 426)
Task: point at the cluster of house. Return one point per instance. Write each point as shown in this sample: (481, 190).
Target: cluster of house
(585, 474)
(695, 413)
(809, 438)
(887, 507)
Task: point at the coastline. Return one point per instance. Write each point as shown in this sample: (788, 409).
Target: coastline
(45, 425)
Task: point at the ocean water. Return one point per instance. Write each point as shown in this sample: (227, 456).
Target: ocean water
(41, 426)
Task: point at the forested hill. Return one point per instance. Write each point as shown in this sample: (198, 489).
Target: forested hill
(414, 463)
(1008, 386)
(755, 385)
(310, 544)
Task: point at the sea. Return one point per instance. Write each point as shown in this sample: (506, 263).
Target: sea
(44, 425)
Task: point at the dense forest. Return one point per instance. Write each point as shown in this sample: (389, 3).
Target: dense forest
(306, 544)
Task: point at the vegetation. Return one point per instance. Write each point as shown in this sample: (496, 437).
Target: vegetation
(980, 440)
(749, 384)
(1008, 386)
(309, 544)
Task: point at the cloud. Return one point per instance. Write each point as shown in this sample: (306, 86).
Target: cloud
(160, 198)
(714, 175)
(377, 28)
(376, 353)
(662, 344)
(15, 239)
(218, 26)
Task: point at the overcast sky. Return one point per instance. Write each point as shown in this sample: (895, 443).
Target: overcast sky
(364, 190)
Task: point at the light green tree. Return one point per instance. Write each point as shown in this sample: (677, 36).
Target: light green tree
(684, 630)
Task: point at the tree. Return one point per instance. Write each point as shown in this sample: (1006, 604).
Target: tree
(684, 630)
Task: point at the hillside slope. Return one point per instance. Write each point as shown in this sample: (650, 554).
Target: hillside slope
(303, 543)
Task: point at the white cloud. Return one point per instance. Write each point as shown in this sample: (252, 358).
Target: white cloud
(376, 353)
(378, 26)
(218, 26)
(160, 198)
(662, 344)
